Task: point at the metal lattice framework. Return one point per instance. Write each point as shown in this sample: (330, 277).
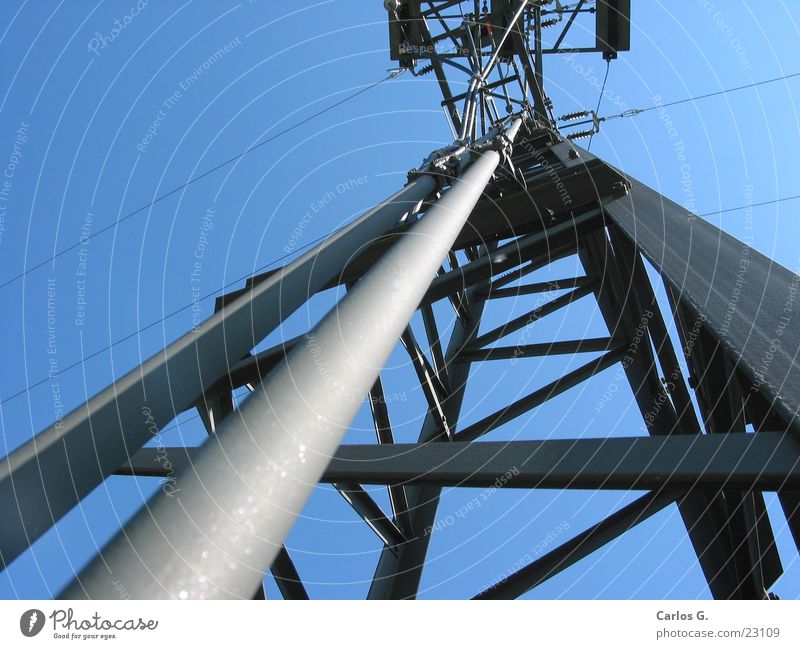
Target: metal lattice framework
(506, 199)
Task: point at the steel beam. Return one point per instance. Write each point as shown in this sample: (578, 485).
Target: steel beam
(507, 278)
(731, 303)
(571, 20)
(488, 86)
(370, 511)
(434, 343)
(730, 531)
(383, 429)
(541, 349)
(543, 246)
(429, 381)
(624, 318)
(441, 6)
(251, 369)
(511, 29)
(441, 79)
(538, 287)
(398, 574)
(251, 480)
(766, 461)
(748, 301)
(538, 397)
(790, 502)
(675, 383)
(42, 480)
(579, 547)
(287, 577)
(706, 516)
(527, 319)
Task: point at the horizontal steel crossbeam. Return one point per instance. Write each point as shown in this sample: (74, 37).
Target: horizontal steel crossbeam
(540, 349)
(527, 319)
(764, 462)
(540, 396)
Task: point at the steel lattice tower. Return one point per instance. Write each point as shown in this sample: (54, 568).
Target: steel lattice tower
(511, 195)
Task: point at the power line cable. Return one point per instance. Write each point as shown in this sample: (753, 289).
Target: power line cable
(267, 265)
(599, 101)
(164, 318)
(637, 111)
(744, 207)
(629, 113)
(84, 240)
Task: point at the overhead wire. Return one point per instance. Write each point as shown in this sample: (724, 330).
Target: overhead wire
(744, 207)
(392, 74)
(599, 101)
(627, 113)
(637, 111)
(166, 317)
(267, 265)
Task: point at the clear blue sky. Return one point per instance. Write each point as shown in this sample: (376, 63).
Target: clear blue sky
(96, 122)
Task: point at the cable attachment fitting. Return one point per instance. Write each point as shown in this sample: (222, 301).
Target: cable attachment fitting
(501, 143)
(443, 164)
(586, 117)
(504, 145)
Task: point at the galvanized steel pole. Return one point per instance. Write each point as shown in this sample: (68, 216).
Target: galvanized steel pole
(219, 530)
(43, 479)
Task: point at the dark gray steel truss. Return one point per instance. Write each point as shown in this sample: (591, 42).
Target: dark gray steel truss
(706, 463)
(718, 436)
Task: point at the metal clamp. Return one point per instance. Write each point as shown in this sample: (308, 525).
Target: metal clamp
(500, 143)
(443, 164)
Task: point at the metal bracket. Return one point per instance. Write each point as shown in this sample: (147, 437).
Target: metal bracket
(444, 165)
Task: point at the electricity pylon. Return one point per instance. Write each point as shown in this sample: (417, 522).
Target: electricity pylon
(510, 196)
